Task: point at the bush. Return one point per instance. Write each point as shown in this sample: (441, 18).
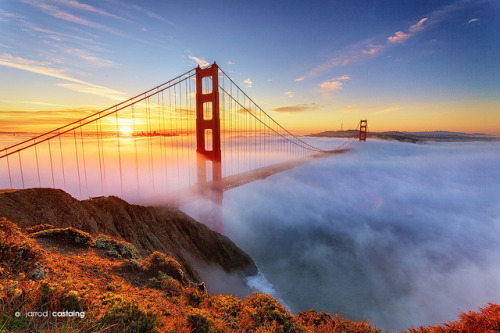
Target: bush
(72, 301)
(129, 316)
(486, 320)
(116, 248)
(71, 235)
(39, 227)
(199, 321)
(16, 249)
(324, 322)
(261, 310)
(158, 262)
(166, 283)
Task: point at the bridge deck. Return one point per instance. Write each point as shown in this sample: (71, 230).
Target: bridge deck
(183, 197)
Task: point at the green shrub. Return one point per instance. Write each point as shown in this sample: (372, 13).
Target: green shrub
(39, 227)
(72, 235)
(199, 321)
(116, 248)
(16, 249)
(262, 309)
(72, 301)
(129, 316)
(166, 283)
(158, 262)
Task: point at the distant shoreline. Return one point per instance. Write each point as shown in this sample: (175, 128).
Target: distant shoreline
(413, 137)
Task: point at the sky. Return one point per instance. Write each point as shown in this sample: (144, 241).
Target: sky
(403, 65)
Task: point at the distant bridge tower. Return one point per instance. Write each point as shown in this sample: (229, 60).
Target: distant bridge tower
(362, 130)
(208, 142)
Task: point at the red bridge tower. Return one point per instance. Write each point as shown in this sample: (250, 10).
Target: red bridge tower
(362, 130)
(208, 143)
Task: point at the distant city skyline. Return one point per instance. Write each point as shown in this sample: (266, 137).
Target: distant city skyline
(403, 65)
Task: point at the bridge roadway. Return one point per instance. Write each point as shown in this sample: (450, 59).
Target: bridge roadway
(182, 197)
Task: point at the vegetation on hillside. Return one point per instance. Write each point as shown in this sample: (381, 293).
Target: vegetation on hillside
(64, 280)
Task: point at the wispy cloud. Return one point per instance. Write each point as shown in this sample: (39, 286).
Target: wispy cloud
(94, 90)
(389, 109)
(60, 14)
(58, 34)
(248, 82)
(230, 63)
(299, 79)
(96, 61)
(135, 9)
(368, 48)
(333, 84)
(43, 68)
(296, 108)
(81, 6)
(200, 62)
(359, 51)
(289, 94)
(350, 108)
(398, 37)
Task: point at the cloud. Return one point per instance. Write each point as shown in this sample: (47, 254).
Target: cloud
(419, 26)
(296, 108)
(330, 85)
(399, 37)
(77, 5)
(299, 79)
(60, 14)
(99, 62)
(94, 90)
(333, 84)
(361, 50)
(343, 77)
(248, 82)
(134, 10)
(389, 109)
(43, 68)
(230, 63)
(289, 94)
(200, 62)
(350, 108)
(473, 20)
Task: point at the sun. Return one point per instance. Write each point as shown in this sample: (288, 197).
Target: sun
(126, 130)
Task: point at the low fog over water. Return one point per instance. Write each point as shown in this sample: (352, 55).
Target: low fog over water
(398, 233)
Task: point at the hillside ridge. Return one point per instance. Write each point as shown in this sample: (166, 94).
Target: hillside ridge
(149, 229)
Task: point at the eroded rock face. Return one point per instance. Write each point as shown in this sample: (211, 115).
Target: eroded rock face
(147, 228)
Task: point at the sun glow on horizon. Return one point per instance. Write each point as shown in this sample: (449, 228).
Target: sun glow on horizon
(126, 130)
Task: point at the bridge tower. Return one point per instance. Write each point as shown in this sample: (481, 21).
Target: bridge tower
(362, 130)
(208, 142)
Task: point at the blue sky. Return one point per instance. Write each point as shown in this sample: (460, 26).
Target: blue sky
(404, 65)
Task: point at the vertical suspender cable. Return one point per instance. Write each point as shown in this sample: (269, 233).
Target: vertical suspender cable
(21, 168)
(51, 166)
(62, 160)
(37, 166)
(77, 165)
(119, 153)
(84, 163)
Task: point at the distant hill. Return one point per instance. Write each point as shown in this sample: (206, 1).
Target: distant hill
(413, 137)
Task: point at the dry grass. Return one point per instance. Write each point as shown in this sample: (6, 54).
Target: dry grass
(143, 295)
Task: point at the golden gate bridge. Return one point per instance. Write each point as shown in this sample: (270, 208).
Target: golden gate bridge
(198, 133)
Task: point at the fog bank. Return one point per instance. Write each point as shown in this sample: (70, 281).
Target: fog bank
(398, 233)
